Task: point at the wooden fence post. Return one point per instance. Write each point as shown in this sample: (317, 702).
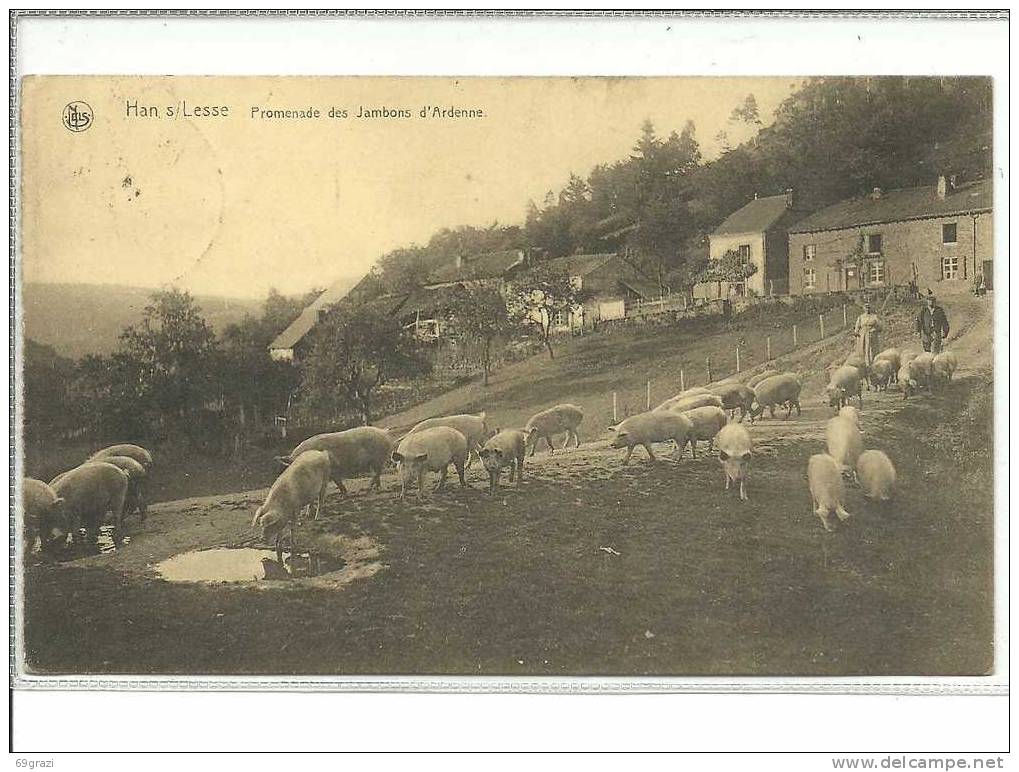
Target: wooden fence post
(845, 317)
(649, 394)
(682, 380)
(767, 346)
(708, 361)
(615, 414)
(820, 318)
(794, 336)
(737, 359)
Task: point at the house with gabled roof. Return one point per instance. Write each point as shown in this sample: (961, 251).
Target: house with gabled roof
(294, 341)
(758, 233)
(493, 267)
(935, 235)
(610, 284)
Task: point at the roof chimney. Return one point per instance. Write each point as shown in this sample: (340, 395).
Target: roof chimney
(942, 188)
(876, 194)
(790, 198)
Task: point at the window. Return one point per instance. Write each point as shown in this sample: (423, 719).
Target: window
(949, 233)
(876, 273)
(744, 252)
(950, 268)
(577, 282)
(559, 319)
(874, 244)
(809, 278)
(809, 251)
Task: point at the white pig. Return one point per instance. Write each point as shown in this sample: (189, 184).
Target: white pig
(135, 500)
(882, 372)
(351, 453)
(472, 427)
(737, 396)
(917, 374)
(850, 412)
(136, 452)
(89, 492)
(857, 361)
(783, 389)
(942, 368)
(827, 490)
(707, 422)
(894, 356)
(561, 419)
(432, 449)
(504, 449)
(301, 484)
(681, 403)
(845, 443)
(734, 452)
(653, 426)
(43, 513)
(876, 474)
(844, 383)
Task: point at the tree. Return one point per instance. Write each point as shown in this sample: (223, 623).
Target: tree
(729, 267)
(478, 315)
(105, 399)
(663, 223)
(747, 112)
(356, 350)
(541, 296)
(174, 350)
(253, 384)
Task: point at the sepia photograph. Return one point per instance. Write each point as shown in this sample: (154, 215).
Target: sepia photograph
(506, 376)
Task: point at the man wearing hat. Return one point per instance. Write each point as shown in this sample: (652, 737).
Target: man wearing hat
(932, 324)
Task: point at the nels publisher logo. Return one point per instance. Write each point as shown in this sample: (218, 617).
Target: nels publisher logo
(77, 116)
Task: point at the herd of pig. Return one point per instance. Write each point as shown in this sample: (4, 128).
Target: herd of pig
(112, 480)
(846, 457)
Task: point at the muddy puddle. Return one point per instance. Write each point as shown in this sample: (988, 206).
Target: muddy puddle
(245, 564)
(328, 561)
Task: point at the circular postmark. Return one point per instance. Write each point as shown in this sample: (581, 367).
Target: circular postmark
(77, 116)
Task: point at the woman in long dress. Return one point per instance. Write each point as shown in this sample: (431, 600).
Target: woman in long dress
(867, 328)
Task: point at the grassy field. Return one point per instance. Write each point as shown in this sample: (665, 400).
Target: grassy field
(588, 567)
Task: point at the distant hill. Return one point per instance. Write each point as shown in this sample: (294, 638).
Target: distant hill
(79, 319)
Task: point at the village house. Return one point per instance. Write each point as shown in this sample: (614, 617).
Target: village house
(935, 235)
(758, 233)
(611, 285)
(293, 343)
(425, 308)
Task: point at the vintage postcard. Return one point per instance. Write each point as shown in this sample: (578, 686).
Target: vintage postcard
(531, 377)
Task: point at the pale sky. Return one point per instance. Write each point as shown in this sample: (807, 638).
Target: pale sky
(233, 206)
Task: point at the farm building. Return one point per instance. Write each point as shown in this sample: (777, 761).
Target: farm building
(425, 309)
(758, 233)
(610, 284)
(294, 341)
(490, 268)
(931, 234)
